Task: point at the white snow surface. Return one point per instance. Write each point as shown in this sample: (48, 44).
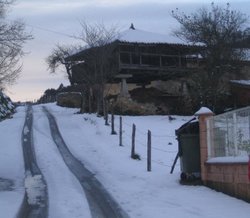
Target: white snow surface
(140, 193)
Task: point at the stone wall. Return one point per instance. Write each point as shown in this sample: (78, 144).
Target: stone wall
(229, 178)
(69, 99)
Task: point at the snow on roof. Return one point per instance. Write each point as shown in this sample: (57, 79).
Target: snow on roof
(142, 36)
(241, 82)
(203, 110)
(133, 35)
(247, 54)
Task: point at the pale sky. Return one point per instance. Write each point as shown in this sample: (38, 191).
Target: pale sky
(63, 17)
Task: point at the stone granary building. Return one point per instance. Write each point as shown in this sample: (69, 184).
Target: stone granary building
(145, 72)
(146, 68)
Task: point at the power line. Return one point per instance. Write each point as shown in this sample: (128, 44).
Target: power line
(55, 32)
(50, 30)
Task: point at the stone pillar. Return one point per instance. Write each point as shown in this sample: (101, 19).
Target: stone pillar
(203, 114)
(124, 87)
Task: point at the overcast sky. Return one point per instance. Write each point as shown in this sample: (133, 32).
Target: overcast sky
(50, 21)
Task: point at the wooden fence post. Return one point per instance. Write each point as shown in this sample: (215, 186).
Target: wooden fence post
(120, 132)
(149, 151)
(113, 132)
(104, 108)
(90, 102)
(106, 115)
(106, 119)
(133, 141)
(82, 103)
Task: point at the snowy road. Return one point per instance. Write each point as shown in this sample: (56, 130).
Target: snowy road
(66, 196)
(101, 203)
(35, 204)
(66, 183)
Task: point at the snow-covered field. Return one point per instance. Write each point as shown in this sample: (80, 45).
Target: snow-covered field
(141, 193)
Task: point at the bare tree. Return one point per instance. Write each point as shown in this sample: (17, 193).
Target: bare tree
(92, 62)
(58, 58)
(12, 38)
(99, 64)
(219, 29)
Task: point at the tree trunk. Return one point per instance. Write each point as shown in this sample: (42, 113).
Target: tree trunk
(100, 99)
(68, 70)
(90, 97)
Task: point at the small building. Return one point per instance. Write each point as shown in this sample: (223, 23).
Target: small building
(146, 56)
(135, 59)
(240, 91)
(138, 59)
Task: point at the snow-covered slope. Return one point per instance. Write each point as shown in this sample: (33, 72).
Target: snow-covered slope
(141, 193)
(6, 106)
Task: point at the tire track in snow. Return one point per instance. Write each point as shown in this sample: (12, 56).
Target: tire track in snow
(66, 196)
(35, 202)
(101, 203)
